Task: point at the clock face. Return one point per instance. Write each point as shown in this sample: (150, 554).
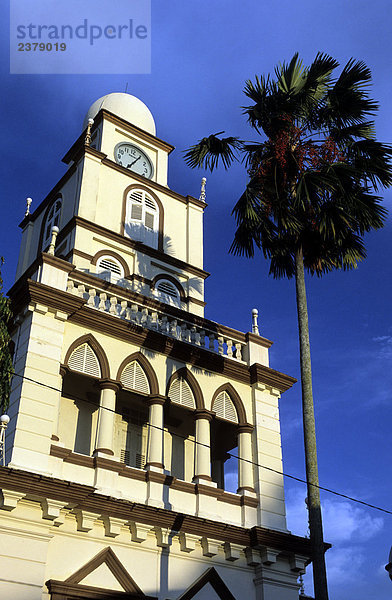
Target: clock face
(134, 159)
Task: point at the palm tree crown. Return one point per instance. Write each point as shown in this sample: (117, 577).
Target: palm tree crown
(313, 181)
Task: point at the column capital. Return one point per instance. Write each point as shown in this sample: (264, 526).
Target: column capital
(156, 399)
(63, 370)
(109, 384)
(203, 413)
(245, 428)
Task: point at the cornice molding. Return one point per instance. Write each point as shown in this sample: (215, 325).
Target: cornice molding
(87, 498)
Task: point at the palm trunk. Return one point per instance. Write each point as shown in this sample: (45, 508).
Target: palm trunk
(314, 507)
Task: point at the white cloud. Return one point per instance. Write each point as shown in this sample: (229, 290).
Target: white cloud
(346, 525)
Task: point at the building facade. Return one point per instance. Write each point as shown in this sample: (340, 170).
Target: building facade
(128, 404)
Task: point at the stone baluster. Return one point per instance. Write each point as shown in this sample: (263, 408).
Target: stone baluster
(134, 313)
(102, 301)
(197, 337)
(154, 320)
(238, 353)
(245, 468)
(173, 328)
(220, 345)
(81, 290)
(193, 335)
(144, 317)
(211, 337)
(202, 338)
(229, 344)
(202, 446)
(183, 331)
(123, 309)
(71, 288)
(107, 407)
(164, 324)
(91, 297)
(113, 305)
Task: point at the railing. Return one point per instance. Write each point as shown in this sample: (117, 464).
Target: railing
(157, 320)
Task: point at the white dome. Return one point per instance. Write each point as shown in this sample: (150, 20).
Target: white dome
(126, 107)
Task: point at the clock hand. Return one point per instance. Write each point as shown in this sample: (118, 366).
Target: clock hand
(132, 163)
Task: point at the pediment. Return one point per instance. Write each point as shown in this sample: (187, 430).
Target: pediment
(201, 588)
(104, 576)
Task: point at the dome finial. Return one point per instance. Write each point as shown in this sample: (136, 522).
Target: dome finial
(202, 196)
(255, 325)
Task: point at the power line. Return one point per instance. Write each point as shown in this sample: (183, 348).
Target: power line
(293, 477)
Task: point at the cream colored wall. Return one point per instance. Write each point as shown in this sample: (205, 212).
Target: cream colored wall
(31, 233)
(114, 134)
(36, 549)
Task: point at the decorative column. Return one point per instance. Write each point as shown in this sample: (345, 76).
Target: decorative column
(107, 407)
(55, 435)
(245, 467)
(202, 446)
(154, 460)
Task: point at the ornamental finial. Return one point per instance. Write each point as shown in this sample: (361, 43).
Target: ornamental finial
(4, 420)
(202, 196)
(52, 245)
(87, 141)
(255, 325)
(28, 204)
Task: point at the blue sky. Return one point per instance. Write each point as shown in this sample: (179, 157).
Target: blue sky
(201, 55)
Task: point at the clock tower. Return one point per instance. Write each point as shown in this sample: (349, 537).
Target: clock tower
(129, 407)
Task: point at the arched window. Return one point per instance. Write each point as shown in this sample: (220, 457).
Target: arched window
(53, 219)
(142, 218)
(134, 378)
(84, 360)
(180, 393)
(166, 291)
(224, 407)
(110, 269)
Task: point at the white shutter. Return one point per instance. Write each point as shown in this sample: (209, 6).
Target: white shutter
(181, 393)
(110, 269)
(133, 377)
(142, 218)
(84, 360)
(224, 407)
(166, 292)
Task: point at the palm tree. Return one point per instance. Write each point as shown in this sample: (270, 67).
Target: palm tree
(312, 193)
(6, 367)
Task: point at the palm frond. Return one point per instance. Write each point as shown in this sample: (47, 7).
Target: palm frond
(209, 150)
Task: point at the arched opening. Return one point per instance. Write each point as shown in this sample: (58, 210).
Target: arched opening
(142, 217)
(131, 425)
(110, 269)
(165, 291)
(180, 426)
(52, 219)
(80, 400)
(224, 428)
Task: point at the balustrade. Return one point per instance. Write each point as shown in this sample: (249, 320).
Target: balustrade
(151, 318)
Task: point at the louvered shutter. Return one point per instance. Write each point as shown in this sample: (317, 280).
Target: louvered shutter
(142, 218)
(84, 360)
(166, 292)
(134, 378)
(110, 269)
(224, 407)
(181, 393)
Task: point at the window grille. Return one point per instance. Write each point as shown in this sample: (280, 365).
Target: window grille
(53, 219)
(134, 378)
(84, 360)
(224, 407)
(181, 393)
